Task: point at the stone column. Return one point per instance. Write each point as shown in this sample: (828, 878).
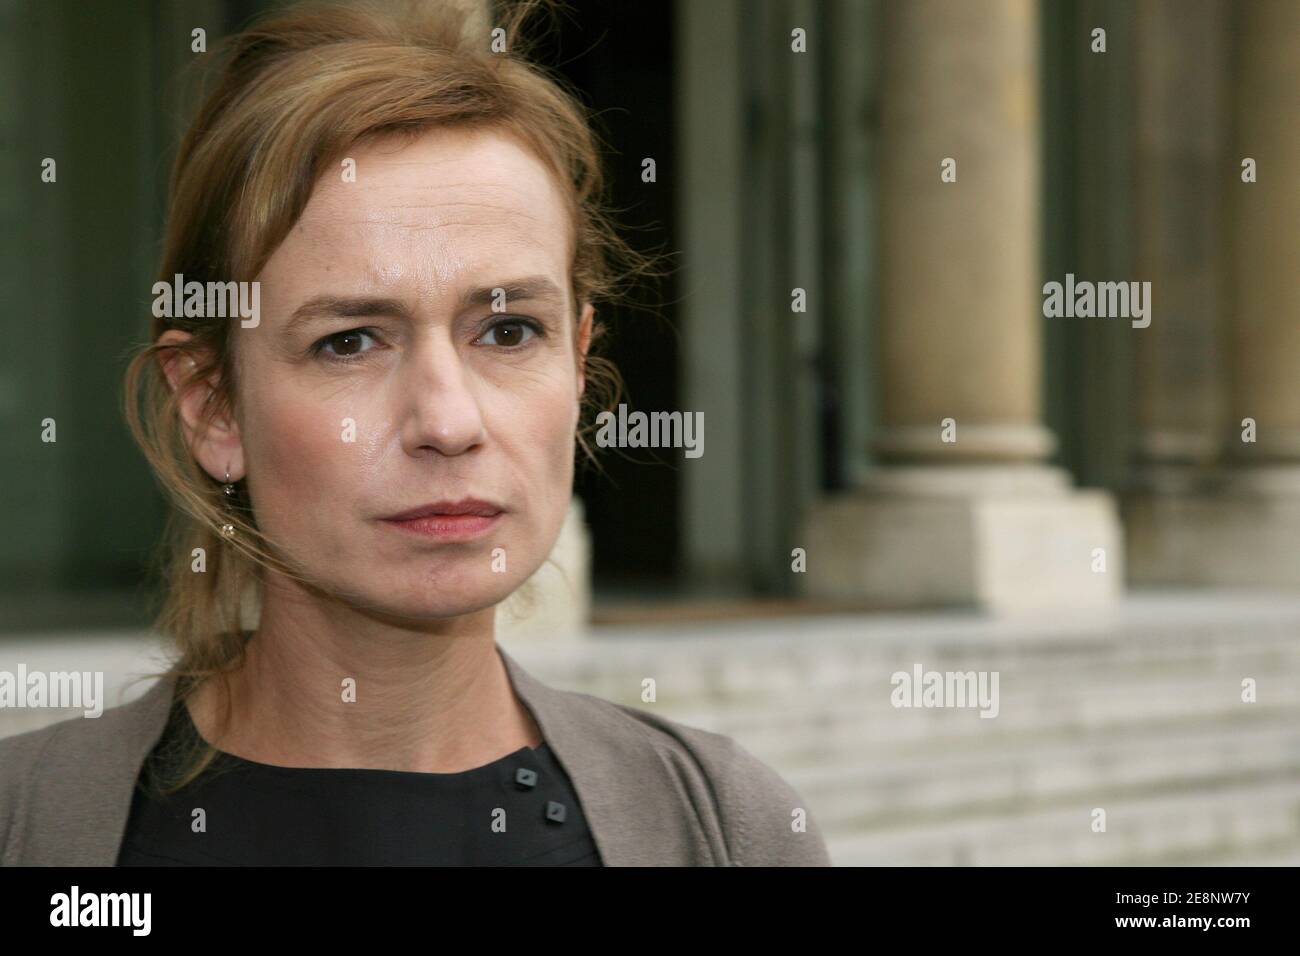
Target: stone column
(1243, 529)
(960, 313)
(1181, 374)
(967, 514)
(1266, 232)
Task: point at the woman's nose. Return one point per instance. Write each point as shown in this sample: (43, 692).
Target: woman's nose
(441, 409)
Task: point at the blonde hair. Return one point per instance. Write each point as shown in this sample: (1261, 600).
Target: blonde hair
(295, 91)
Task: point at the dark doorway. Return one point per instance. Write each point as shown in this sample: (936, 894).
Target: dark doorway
(619, 58)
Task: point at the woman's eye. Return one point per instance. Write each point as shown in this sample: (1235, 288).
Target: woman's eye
(343, 344)
(510, 333)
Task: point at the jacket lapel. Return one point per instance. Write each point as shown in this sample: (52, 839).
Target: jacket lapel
(633, 800)
(100, 811)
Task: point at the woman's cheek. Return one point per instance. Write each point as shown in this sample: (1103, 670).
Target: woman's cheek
(298, 453)
(560, 450)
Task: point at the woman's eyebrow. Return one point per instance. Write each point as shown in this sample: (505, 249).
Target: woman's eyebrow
(532, 288)
(344, 307)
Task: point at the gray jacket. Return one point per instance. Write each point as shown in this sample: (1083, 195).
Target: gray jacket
(655, 792)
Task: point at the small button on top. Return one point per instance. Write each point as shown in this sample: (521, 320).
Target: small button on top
(525, 779)
(554, 811)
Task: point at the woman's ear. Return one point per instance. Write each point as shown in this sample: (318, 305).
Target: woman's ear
(216, 447)
(584, 343)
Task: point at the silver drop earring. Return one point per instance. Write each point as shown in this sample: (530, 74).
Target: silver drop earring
(229, 489)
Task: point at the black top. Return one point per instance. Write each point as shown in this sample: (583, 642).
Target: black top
(519, 810)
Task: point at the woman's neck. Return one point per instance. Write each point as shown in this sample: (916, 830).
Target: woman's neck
(327, 686)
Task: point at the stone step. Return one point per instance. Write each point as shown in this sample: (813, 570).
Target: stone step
(799, 733)
(725, 673)
(1213, 822)
(865, 793)
(1271, 853)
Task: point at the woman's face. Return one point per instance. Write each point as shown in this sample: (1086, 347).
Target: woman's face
(417, 344)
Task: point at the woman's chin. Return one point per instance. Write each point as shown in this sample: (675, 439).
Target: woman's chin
(433, 601)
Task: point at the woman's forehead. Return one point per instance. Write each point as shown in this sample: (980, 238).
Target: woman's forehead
(447, 208)
(441, 177)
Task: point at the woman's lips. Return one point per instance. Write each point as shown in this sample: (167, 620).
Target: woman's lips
(446, 527)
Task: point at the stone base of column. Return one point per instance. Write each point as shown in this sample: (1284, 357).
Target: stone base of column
(1234, 528)
(999, 538)
(554, 604)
